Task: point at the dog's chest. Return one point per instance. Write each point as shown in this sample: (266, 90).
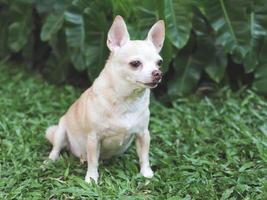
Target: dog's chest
(126, 122)
(119, 131)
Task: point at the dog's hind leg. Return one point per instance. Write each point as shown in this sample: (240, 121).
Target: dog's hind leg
(58, 138)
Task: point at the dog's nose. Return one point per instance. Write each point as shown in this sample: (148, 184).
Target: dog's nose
(157, 75)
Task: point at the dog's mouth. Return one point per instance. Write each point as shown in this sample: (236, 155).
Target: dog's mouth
(150, 85)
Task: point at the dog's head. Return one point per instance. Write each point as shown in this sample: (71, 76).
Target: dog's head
(136, 61)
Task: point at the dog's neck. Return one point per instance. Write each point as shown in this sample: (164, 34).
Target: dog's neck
(117, 87)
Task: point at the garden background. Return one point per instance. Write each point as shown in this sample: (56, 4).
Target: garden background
(209, 115)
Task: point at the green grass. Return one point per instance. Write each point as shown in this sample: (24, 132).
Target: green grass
(201, 149)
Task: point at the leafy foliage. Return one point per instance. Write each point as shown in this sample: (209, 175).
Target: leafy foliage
(176, 13)
(204, 39)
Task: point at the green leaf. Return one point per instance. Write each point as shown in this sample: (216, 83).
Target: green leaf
(124, 7)
(246, 166)
(57, 68)
(258, 29)
(260, 82)
(263, 129)
(146, 16)
(252, 58)
(216, 67)
(186, 76)
(75, 36)
(73, 18)
(96, 51)
(213, 58)
(49, 6)
(231, 24)
(75, 33)
(52, 24)
(20, 27)
(67, 171)
(17, 36)
(167, 53)
(57, 65)
(258, 18)
(178, 18)
(77, 58)
(227, 193)
(95, 55)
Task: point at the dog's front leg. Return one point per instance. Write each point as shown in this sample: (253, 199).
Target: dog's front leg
(93, 149)
(142, 147)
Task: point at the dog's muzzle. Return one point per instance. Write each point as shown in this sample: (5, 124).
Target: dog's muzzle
(156, 76)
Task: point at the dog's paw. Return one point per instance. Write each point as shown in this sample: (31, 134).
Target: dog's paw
(91, 175)
(53, 155)
(147, 172)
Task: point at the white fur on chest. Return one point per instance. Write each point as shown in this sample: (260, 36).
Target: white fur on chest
(123, 122)
(129, 122)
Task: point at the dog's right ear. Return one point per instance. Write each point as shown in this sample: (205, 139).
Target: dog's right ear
(117, 34)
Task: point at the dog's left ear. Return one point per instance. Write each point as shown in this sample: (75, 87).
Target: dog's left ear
(157, 34)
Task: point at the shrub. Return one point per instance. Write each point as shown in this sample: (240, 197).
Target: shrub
(218, 41)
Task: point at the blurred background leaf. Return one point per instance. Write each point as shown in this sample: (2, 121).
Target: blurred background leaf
(206, 41)
(178, 17)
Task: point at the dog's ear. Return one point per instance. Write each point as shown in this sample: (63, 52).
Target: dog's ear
(157, 34)
(118, 34)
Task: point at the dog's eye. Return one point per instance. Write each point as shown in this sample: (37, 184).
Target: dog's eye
(135, 63)
(159, 63)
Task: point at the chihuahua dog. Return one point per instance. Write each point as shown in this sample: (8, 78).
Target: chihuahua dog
(104, 120)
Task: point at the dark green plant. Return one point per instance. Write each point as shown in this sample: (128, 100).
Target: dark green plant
(205, 40)
(16, 26)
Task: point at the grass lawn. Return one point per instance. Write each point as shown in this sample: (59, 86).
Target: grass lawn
(212, 148)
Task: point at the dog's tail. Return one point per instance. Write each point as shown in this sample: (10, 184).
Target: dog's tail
(49, 133)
